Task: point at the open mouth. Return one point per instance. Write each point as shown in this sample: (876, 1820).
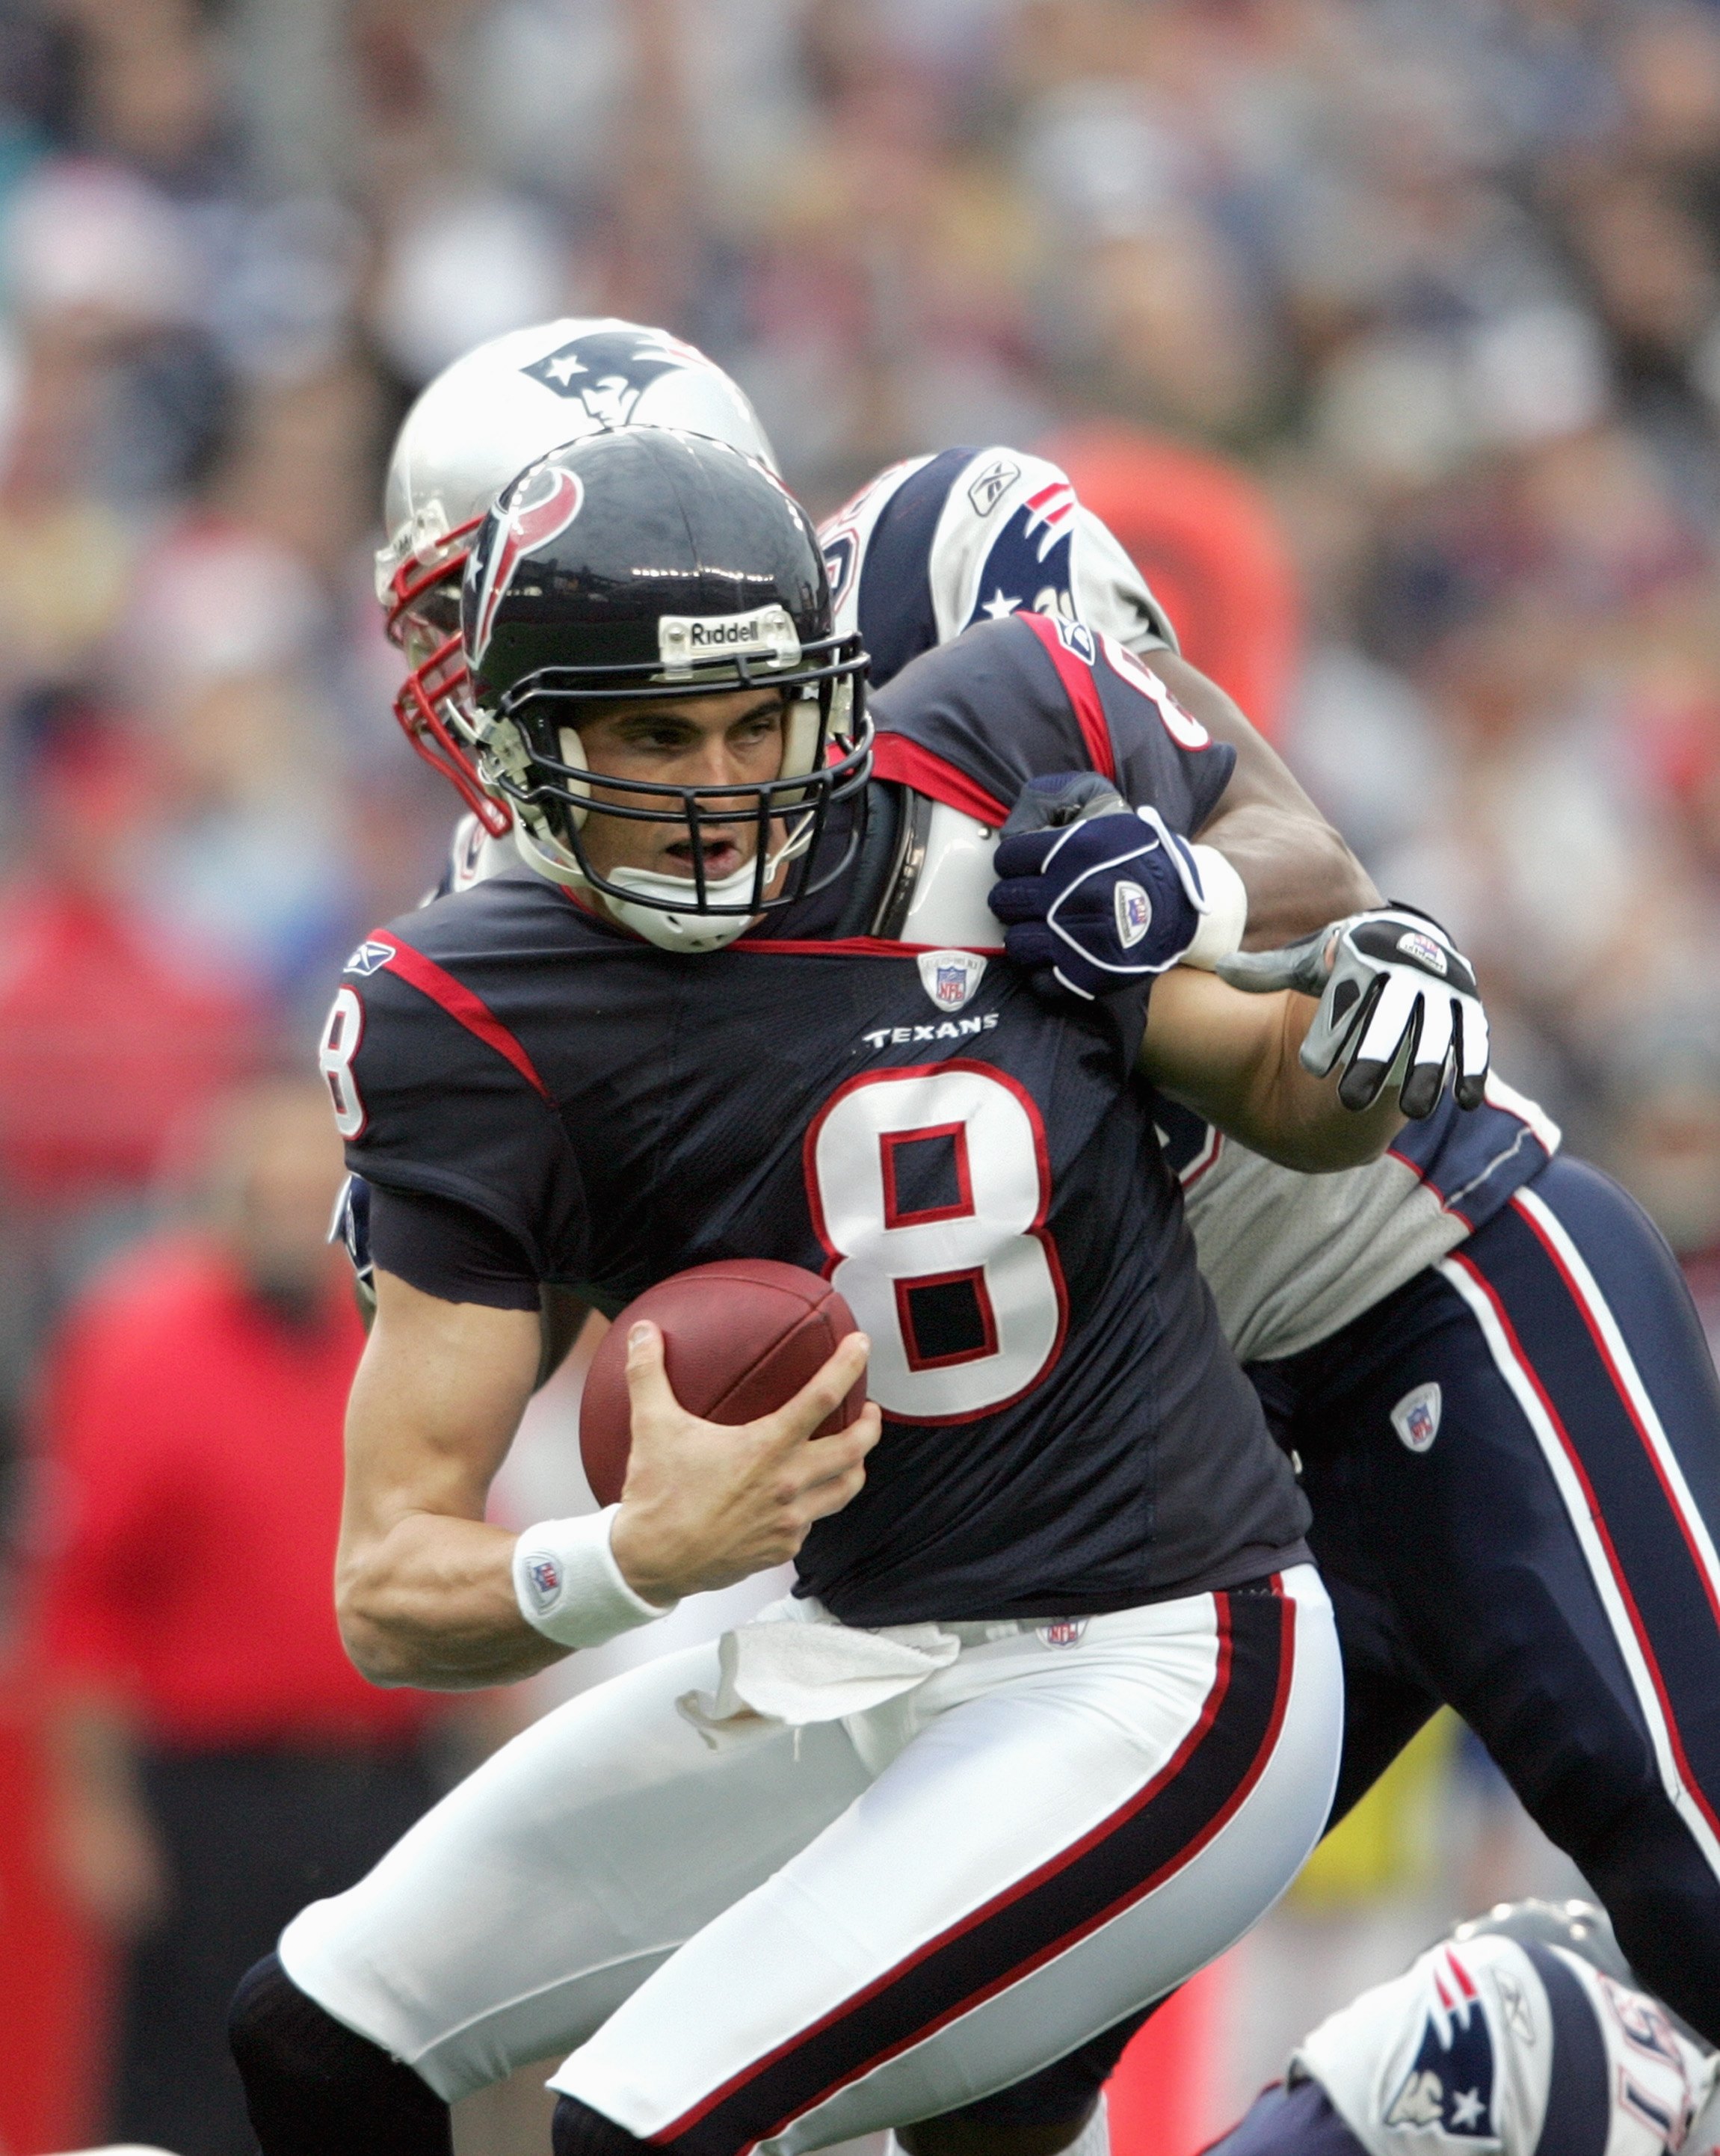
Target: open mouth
(722, 856)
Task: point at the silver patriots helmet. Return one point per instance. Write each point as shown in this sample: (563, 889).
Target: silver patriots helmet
(649, 562)
(1578, 1927)
(498, 409)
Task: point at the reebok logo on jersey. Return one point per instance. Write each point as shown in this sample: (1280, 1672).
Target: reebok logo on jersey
(949, 978)
(1512, 1998)
(993, 483)
(903, 1036)
(687, 640)
(1416, 1417)
(369, 956)
(1134, 914)
(1423, 950)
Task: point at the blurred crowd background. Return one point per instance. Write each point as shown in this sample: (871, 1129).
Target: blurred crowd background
(1442, 277)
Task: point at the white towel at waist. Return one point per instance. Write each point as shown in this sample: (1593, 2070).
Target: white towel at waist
(795, 1663)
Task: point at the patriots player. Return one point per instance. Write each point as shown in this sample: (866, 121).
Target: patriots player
(1526, 2033)
(1486, 1361)
(1054, 1712)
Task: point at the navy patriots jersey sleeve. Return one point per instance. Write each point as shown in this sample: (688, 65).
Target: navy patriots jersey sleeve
(436, 1097)
(971, 722)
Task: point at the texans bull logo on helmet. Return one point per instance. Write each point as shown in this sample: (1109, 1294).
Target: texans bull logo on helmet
(541, 507)
(608, 371)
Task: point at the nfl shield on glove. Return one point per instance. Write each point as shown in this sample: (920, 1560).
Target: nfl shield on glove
(1094, 894)
(1392, 985)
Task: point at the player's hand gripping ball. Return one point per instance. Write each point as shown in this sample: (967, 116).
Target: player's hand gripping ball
(740, 1338)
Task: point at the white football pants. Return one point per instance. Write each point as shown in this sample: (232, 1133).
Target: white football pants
(794, 1938)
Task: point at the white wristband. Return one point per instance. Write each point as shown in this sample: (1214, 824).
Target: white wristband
(569, 1587)
(1226, 914)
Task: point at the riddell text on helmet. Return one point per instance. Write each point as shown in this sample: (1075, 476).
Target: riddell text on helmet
(681, 638)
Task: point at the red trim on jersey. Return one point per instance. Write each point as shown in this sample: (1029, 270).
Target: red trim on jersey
(464, 1008)
(905, 762)
(1625, 1399)
(974, 1276)
(1207, 1158)
(1082, 691)
(1651, 1662)
(895, 1215)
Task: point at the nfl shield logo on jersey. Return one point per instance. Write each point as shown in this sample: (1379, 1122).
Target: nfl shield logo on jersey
(949, 978)
(1416, 1417)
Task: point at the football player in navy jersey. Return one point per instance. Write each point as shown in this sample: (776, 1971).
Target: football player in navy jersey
(1482, 1352)
(1054, 1713)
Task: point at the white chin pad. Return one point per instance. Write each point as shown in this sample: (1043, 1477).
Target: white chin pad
(691, 931)
(573, 753)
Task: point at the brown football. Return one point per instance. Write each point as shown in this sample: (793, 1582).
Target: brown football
(740, 1338)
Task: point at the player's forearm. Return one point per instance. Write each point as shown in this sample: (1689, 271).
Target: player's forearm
(1297, 869)
(431, 1603)
(1234, 1060)
(1298, 1120)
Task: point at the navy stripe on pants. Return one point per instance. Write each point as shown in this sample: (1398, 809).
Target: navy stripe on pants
(1546, 1564)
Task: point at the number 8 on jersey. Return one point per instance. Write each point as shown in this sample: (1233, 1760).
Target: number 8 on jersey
(929, 1188)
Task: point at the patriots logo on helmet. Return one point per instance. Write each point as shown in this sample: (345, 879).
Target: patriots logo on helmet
(608, 371)
(1450, 2085)
(540, 508)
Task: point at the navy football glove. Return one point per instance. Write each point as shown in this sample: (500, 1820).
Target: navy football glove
(1391, 982)
(1095, 894)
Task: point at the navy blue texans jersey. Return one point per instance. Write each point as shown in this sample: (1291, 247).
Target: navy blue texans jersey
(977, 1172)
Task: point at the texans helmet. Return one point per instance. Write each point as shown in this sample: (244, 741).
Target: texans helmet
(651, 563)
(497, 410)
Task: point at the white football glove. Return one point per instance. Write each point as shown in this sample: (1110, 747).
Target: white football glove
(1390, 983)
